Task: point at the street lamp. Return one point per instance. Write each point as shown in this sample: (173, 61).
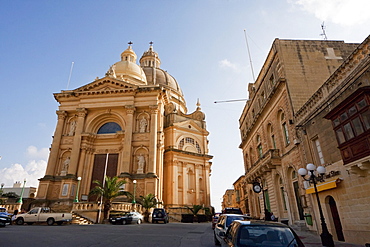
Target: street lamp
(133, 201)
(78, 188)
(326, 237)
(258, 188)
(2, 186)
(20, 200)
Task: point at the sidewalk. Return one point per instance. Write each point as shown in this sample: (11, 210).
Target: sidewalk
(311, 239)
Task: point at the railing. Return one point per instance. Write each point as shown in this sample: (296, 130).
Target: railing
(11, 207)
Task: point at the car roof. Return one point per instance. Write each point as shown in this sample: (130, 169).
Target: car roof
(261, 222)
(234, 215)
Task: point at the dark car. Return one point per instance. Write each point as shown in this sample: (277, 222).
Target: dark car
(121, 219)
(159, 214)
(260, 233)
(232, 211)
(5, 217)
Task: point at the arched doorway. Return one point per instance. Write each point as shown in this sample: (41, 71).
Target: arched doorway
(336, 219)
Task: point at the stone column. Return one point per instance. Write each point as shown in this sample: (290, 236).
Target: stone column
(197, 185)
(127, 146)
(53, 157)
(76, 147)
(152, 167)
(207, 190)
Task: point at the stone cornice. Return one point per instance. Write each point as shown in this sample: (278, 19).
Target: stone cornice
(338, 82)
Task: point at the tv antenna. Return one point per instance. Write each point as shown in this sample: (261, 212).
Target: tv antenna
(249, 54)
(323, 31)
(70, 74)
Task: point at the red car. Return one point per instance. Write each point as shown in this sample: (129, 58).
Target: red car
(215, 219)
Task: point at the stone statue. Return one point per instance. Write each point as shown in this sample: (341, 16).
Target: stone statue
(72, 128)
(143, 124)
(140, 163)
(65, 166)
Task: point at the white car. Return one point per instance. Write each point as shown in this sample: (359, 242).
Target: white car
(136, 217)
(223, 224)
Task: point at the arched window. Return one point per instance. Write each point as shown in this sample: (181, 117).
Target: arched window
(285, 129)
(192, 142)
(259, 147)
(109, 128)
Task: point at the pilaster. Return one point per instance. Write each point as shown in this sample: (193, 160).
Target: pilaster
(153, 140)
(53, 157)
(126, 159)
(75, 153)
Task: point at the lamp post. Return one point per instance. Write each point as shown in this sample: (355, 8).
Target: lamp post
(134, 201)
(2, 186)
(78, 188)
(258, 188)
(326, 237)
(20, 200)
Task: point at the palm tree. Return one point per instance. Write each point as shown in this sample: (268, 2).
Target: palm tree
(195, 210)
(109, 191)
(149, 201)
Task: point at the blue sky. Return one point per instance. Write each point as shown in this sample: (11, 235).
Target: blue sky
(200, 42)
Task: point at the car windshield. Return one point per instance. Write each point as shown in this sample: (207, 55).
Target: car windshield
(266, 236)
(230, 219)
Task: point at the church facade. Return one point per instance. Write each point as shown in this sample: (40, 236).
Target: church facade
(132, 123)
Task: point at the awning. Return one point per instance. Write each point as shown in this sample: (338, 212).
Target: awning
(327, 185)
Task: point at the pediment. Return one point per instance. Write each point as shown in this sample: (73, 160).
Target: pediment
(190, 125)
(106, 84)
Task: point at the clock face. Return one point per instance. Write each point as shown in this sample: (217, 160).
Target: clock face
(257, 188)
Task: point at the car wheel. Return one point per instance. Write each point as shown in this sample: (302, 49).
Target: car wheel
(216, 240)
(19, 221)
(50, 221)
(123, 222)
(139, 221)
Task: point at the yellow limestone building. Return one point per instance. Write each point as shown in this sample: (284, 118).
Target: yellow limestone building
(133, 123)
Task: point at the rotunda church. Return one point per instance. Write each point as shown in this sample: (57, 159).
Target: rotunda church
(132, 123)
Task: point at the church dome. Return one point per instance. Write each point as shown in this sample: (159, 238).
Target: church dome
(127, 68)
(150, 63)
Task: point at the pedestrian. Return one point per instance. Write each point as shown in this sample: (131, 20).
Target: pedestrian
(12, 221)
(267, 215)
(273, 218)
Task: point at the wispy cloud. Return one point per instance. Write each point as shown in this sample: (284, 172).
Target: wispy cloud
(342, 12)
(34, 169)
(229, 65)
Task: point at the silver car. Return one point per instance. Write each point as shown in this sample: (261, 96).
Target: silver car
(223, 224)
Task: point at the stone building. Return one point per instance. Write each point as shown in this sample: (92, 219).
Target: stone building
(292, 72)
(334, 130)
(132, 123)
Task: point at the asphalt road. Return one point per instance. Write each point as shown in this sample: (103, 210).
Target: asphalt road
(148, 235)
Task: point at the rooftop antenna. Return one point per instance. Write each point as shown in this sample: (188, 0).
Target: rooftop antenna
(70, 74)
(249, 54)
(323, 31)
(250, 61)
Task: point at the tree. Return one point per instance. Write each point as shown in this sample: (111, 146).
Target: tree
(195, 209)
(110, 190)
(149, 201)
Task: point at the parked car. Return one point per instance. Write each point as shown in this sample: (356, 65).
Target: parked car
(42, 214)
(159, 214)
(260, 233)
(5, 217)
(223, 224)
(215, 219)
(232, 211)
(136, 217)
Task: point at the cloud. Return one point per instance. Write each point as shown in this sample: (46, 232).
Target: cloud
(34, 153)
(342, 12)
(34, 169)
(229, 65)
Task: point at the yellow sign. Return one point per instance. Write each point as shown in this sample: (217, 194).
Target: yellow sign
(327, 185)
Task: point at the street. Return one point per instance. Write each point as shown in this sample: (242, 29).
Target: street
(172, 234)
